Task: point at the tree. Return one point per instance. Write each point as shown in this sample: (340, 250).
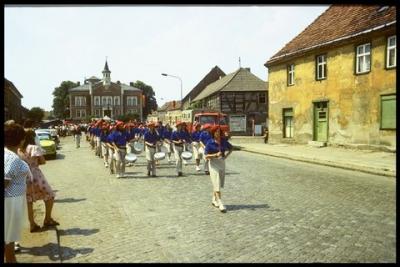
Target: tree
(61, 99)
(36, 114)
(150, 101)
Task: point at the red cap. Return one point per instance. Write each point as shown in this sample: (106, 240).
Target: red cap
(151, 124)
(207, 126)
(180, 123)
(119, 123)
(215, 128)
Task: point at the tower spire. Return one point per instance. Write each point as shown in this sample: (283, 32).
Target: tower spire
(106, 74)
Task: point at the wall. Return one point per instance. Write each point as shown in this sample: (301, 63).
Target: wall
(354, 100)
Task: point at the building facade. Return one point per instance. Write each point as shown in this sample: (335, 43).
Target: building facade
(243, 97)
(101, 97)
(336, 81)
(13, 109)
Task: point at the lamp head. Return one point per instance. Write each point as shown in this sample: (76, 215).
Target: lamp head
(164, 74)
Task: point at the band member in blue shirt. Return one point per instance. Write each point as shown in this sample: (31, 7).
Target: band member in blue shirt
(150, 139)
(217, 150)
(103, 141)
(196, 145)
(179, 138)
(167, 140)
(119, 141)
(111, 150)
(205, 135)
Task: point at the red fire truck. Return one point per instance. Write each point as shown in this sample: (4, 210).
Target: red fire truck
(191, 116)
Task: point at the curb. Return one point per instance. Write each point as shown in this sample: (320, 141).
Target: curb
(382, 172)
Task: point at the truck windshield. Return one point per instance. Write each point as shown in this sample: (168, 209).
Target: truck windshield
(211, 119)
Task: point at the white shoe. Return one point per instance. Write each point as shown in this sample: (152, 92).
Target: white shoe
(106, 164)
(119, 176)
(214, 202)
(198, 168)
(185, 162)
(221, 206)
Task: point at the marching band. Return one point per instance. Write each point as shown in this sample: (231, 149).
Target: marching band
(119, 143)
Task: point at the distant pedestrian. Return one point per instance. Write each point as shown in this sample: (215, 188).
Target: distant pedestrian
(38, 188)
(217, 150)
(77, 133)
(16, 173)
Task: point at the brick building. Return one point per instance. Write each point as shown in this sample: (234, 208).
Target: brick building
(101, 97)
(13, 110)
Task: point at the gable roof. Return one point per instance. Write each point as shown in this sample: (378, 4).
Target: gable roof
(338, 22)
(238, 81)
(9, 84)
(212, 76)
(169, 105)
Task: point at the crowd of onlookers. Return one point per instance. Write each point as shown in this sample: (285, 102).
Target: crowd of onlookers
(24, 184)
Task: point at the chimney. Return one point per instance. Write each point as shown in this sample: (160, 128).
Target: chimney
(248, 69)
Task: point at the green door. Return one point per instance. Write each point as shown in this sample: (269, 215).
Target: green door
(321, 121)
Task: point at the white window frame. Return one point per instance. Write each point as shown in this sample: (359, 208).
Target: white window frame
(97, 101)
(321, 62)
(116, 101)
(104, 101)
(131, 101)
(290, 73)
(390, 49)
(110, 100)
(363, 57)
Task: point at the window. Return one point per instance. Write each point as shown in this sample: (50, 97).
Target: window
(287, 122)
(291, 74)
(131, 101)
(116, 100)
(109, 100)
(80, 113)
(261, 98)
(104, 100)
(363, 58)
(97, 100)
(80, 101)
(97, 112)
(388, 112)
(321, 67)
(391, 52)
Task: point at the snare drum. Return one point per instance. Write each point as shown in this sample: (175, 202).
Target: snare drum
(159, 155)
(186, 155)
(138, 147)
(131, 157)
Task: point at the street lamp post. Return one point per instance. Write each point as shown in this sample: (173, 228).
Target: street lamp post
(165, 74)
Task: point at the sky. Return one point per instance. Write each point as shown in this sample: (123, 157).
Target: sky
(45, 45)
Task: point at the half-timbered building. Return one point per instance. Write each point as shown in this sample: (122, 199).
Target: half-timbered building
(242, 96)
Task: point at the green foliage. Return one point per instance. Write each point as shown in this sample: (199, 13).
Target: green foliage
(150, 99)
(36, 114)
(195, 105)
(61, 99)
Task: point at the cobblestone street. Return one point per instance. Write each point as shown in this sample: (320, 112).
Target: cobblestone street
(278, 210)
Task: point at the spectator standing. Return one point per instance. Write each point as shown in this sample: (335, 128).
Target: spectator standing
(38, 188)
(16, 172)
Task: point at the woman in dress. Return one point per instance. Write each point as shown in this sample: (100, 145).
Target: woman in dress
(217, 150)
(38, 188)
(16, 172)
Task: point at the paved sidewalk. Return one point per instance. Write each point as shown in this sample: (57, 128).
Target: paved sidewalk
(381, 163)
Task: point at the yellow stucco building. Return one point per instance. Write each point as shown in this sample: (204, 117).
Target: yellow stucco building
(336, 81)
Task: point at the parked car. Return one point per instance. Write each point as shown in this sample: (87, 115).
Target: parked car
(47, 143)
(53, 133)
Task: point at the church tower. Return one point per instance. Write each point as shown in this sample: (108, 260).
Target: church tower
(106, 75)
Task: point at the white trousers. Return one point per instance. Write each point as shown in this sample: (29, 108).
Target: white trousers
(178, 156)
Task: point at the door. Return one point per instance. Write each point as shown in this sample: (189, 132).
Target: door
(107, 112)
(321, 121)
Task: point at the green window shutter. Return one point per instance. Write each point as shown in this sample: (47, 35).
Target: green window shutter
(388, 112)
